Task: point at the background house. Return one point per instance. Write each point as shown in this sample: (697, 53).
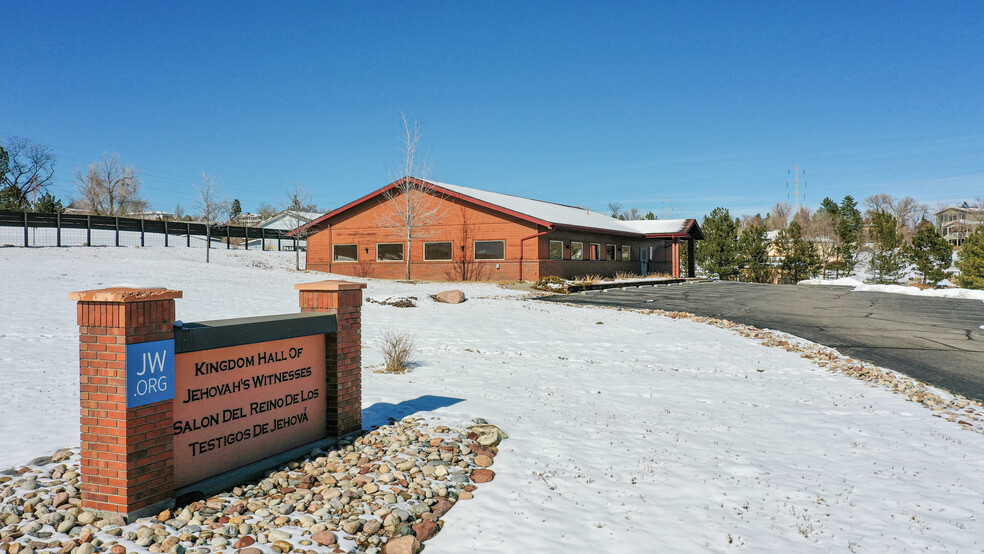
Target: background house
(473, 234)
(287, 220)
(956, 222)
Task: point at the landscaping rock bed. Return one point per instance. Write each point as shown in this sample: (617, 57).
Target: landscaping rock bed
(382, 493)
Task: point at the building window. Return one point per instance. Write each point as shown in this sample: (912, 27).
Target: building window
(595, 251)
(345, 253)
(437, 251)
(389, 252)
(610, 252)
(556, 250)
(577, 250)
(626, 253)
(490, 250)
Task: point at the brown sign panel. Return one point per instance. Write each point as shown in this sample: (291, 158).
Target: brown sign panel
(239, 404)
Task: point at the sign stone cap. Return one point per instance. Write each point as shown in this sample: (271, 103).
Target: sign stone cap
(124, 294)
(330, 285)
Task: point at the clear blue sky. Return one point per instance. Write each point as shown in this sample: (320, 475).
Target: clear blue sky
(698, 104)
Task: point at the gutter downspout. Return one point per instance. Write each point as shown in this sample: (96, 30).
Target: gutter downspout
(521, 241)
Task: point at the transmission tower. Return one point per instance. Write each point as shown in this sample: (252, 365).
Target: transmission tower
(795, 172)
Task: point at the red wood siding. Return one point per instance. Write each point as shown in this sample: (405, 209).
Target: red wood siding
(462, 223)
(459, 222)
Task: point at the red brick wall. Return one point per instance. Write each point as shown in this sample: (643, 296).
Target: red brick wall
(127, 454)
(343, 350)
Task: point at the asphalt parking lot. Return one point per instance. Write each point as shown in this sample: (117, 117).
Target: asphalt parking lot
(936, 340)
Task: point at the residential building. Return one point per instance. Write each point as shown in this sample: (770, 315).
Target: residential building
(956, 222)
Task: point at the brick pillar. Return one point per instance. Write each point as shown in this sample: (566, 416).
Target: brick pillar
(343, 350)
(127, 454)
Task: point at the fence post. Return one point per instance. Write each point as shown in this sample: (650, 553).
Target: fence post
(165, 233)
(228, 238)
(343, 349)
(263, 239)
(278, 241)
(88, 230)
(117, 230)
(26, 241)
(142, 232)
(119, 476)
(246, 232)
(58, 229)
(188, 228)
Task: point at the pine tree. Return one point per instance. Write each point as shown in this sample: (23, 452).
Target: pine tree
(971, 262)
(236, 209)
(849, 225)
(11, 199)
(829, 206)
(930, 253)
(48, 204)
(753, 248)
(887, 253)
(650, 215)
(800, 259)
(718, 252)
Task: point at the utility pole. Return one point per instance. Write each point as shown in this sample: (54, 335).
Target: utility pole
(796, 180)
(667, 209)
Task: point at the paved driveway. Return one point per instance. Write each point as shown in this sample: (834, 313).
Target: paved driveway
(936, 340)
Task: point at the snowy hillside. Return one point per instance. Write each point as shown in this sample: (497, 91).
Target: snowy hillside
(629, 432)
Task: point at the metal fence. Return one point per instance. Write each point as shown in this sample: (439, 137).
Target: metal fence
(40, 229)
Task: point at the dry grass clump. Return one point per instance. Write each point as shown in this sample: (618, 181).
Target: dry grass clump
(621, 275)
(398, 350)
(587, 279)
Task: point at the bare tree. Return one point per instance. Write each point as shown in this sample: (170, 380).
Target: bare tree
(266, 210)
(778, 217)
(463, 266)
(615, 208)
(803, 217)
(27, 171)
(879, 203)
(109, 188)
(413, 201)
(299, 200)
(210, 208)
(907, 211)
(822, 232)
(751, 221)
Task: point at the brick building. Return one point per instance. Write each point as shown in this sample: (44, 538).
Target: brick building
(475, 234)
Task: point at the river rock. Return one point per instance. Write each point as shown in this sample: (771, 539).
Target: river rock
(482, 475)
(408, 544)
(324, 538)
(450, 297)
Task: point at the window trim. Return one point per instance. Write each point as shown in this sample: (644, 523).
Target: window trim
(598, 257)
(450, 257)
(626, 252)
(614, 252)
(475, 251)
(550, 246)
(581, 258)
(403, 253)
(334, 256)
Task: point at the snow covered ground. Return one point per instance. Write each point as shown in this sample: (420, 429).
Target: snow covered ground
(898, 289)
(629, 432)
